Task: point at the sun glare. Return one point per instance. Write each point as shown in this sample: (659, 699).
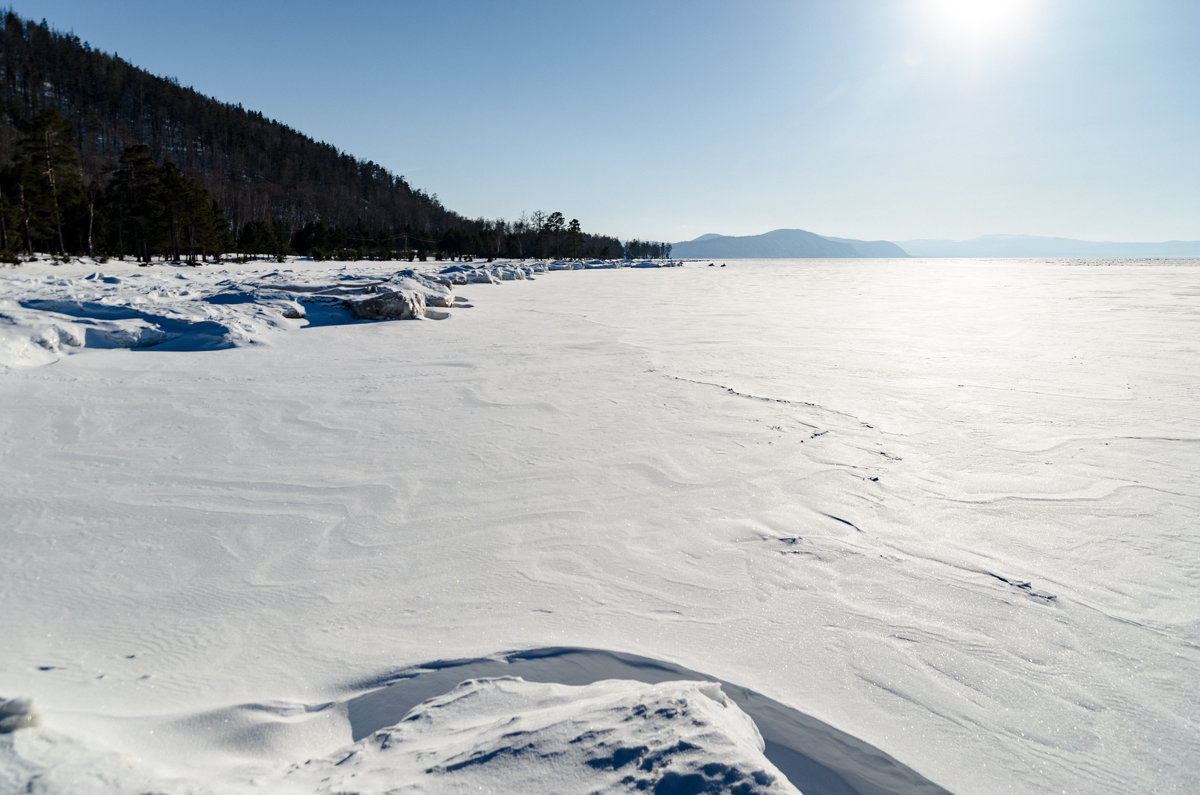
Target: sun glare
(978, 22)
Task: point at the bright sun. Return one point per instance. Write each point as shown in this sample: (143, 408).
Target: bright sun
(977, 22)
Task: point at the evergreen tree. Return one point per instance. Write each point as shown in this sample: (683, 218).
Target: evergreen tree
(137, 200)
(257, 238)
(48, 184)
(574, 237)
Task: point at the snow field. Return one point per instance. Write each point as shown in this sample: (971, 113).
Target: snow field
(944, 508)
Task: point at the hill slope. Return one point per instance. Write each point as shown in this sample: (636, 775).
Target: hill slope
(256, 168)
(260, 172)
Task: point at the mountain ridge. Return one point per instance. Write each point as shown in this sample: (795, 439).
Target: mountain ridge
(783, 244)
(801, 244)
(1016, 246)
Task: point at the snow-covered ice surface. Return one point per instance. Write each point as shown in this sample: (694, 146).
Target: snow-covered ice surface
(928, 516)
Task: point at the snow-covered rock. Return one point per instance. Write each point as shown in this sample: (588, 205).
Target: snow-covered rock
(404, 305)
(434, 292)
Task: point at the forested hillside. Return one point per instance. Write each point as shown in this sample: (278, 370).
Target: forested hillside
(85, 136)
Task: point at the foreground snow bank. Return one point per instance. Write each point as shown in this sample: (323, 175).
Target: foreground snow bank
(551, 719)
(48, 309)
(509, 735)
(502, 734)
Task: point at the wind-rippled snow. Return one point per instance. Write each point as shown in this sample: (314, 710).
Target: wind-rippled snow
(946, 507)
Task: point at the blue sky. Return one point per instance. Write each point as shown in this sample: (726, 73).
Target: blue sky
(888, 119)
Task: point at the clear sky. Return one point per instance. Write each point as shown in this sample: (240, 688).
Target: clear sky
(878, 119)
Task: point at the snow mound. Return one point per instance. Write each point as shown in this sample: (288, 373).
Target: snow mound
(813, 755)
(508, 735)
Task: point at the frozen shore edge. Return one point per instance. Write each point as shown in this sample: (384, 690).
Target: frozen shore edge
(50, 309)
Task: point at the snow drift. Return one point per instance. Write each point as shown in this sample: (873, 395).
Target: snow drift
(509, 735)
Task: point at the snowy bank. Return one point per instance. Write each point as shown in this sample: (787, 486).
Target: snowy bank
(496, 734)
(566, 720)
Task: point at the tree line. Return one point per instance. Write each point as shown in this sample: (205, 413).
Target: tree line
(142, 210)
(102, 158)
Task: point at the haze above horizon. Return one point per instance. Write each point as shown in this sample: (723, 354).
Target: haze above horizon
(861, 119)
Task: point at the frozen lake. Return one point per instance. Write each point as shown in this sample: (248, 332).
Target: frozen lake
(945, 507)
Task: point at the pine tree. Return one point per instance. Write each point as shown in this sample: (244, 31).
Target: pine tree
(48, 181)
(137, 200)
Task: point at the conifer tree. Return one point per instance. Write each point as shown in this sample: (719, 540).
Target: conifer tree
(137, 200)
(48, 181)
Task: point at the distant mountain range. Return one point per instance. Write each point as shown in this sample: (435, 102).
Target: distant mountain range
(782, 243)
(1030, 246)
(799, 244)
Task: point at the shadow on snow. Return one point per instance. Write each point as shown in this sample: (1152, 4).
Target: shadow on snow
(817, 758)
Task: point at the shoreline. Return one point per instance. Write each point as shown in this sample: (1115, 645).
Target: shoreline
(49, 309)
